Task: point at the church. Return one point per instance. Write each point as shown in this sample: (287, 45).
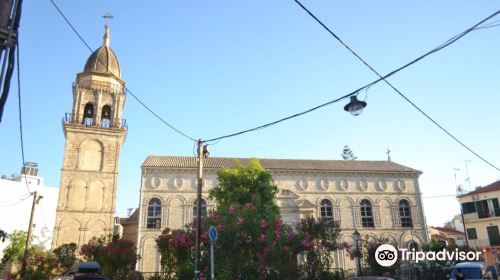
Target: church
(380, 199)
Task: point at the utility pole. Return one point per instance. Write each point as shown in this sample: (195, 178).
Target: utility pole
(202, 153)
(36, 199)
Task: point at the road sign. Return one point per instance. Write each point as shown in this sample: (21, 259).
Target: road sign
(212, 232)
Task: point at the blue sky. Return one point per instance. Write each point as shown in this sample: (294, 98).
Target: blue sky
(215, 67)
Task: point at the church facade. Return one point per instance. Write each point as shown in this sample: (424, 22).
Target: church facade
(380, 199)
(95, 132)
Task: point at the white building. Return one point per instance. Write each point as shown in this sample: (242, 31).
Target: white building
(16, 202)
(381, 199)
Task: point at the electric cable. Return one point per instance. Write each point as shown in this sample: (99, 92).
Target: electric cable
(127, 89)
(17, 202)
(449, 42)
(438, 48)
(20, 111)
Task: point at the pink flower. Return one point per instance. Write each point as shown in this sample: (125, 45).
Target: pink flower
(248, 240)
(263, 224)
(239, 221)
(277, 224)
(220, 228)
(274, 242)
(231, 210)
(248, 206)
(286, 249)
(262, 238)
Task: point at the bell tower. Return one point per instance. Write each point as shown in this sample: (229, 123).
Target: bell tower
(94, 132)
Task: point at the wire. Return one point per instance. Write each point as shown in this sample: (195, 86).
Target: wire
(128, 90)
(15, 203)
(447, 43)
(443, 45)
(11, 199)
(440, 196)
(20, 111)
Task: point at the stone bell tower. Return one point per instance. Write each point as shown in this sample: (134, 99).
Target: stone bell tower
(95, 132)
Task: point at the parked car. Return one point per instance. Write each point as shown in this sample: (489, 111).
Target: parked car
(84, 271)
(370, 278)
(471, 271)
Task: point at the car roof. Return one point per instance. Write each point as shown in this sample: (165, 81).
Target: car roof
(470, 265)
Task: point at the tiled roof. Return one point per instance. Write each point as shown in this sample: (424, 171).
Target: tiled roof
(280, 164)
(448, 230)
(489, 188)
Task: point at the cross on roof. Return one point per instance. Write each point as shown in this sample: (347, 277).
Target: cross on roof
(108, 16)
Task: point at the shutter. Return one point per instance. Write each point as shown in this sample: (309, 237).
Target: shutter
(480, 209)
(496, 207)
(493, 235)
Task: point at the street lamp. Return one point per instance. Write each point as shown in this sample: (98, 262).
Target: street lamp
(357, 237)
(355, 107)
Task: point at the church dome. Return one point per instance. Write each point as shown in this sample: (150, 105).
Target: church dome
(103, 60)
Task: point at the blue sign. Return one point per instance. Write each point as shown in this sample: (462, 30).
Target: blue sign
(212, 232)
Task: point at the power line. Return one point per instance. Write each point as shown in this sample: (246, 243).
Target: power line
(20, 110)
(447, 43)
(440, 47)
(112, 74)
(15, 203)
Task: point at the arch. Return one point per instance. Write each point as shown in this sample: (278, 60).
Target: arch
(176, 213)
(150, 257)
(69, 231)
(106, 116)
(91, 155)
(318, 201)
(346, 201)
(153, 218)
(147, 198)
(405, 213)
(182, 199)
(389, 238)
(96, 192)
(77, 194)
(203, 209)
(88, 114)
(94, 228)
(326, 209)
(366, 210)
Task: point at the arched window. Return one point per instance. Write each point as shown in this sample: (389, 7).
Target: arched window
(203, 208)
(88, 114)
(154, 214)
(106, 116)
(366, 213)
(326, 210)
(405, 213)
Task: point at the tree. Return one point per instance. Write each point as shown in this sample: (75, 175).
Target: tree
(116, 256)
(66, 255)
(3, 235)
(347, 154)
(15, 250)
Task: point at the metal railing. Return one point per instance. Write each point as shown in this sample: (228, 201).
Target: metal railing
(69, 118)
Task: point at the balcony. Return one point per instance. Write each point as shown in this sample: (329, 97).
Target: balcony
(482, 215)
(92, 122)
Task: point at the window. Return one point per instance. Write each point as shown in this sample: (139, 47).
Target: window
(405, 213)
(326, 211)
(493, 235)
(88, 114)
(486, 208)
(366, 213)
(468, 207)
(154, 213)
(105, 116)
(203, 208)
(471, 233)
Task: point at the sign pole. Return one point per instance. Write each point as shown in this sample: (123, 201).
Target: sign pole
(212, 233)
(212, 262)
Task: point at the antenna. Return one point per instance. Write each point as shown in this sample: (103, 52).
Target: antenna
(467, 171)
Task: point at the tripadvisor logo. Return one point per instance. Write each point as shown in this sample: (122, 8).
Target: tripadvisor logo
(386, 255)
